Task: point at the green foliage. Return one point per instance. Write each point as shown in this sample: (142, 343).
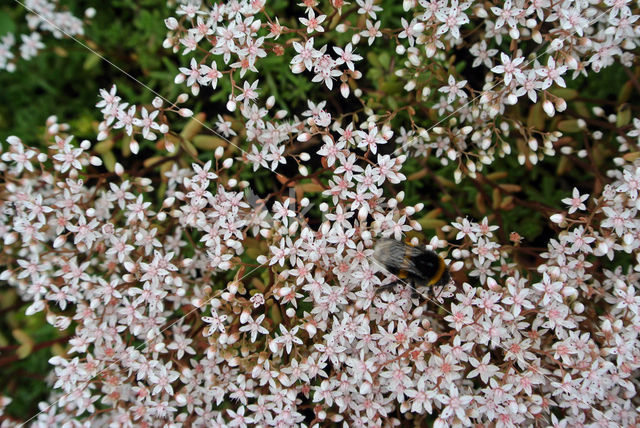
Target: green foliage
(65, 80)
(24, 382)
(23, 379)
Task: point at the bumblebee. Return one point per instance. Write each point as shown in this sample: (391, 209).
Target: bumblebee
(417, 266)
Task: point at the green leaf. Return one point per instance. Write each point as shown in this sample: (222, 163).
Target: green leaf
(431, 223)
(91, 61)
(567, 94)
(6, 24)
(569, 126)
(624, 117)
(109, 160)
(374, 60)
(391, 101)
(208, 142)
(385, 59)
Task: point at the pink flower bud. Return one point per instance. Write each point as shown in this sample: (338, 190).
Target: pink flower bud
(179, 79)
(363, 213)
(548, 108)
(456, 266)
(233, 287)
(578, 308)
(171, 23)
(59, 242)
(134, 147)
(345, 90)
(305, 136)
(557, 218)
(270, 102)
(185, 112)
(298, 68)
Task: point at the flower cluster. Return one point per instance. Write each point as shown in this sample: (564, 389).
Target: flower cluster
(43, 16)
(193, 301)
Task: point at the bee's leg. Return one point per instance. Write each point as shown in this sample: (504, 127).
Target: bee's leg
(387, 287)
(416, 294)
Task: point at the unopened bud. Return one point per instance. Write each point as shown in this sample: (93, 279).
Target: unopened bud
(270, 102)
(59, 241)
(134, 147)
(455, 267)
(233, 287)
(93, 160)
(171, 23)
(548, 108)
(345, 90)
(578, 308)
(305, 136)
(557, 218)
(363, 213)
